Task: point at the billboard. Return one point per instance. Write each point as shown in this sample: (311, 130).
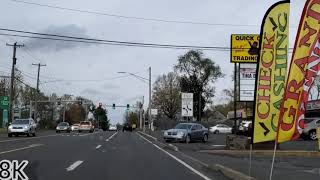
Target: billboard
(247, 73)
(244, 48)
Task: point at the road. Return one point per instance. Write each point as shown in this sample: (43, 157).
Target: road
(100, 155)
(307, 168)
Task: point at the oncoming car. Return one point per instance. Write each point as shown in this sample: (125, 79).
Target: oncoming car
(63, 127)
(187, 132)
(22, 127)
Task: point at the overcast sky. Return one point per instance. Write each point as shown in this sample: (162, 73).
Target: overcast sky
(102, 62)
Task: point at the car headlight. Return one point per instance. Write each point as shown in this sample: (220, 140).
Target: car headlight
(10, 127)
(165, 133)
(180, 133)
(26, 127)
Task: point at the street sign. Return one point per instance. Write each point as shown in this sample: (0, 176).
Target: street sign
(244, 48)
(4, 102)
(247, 82)
(187, 104)
(154, 112)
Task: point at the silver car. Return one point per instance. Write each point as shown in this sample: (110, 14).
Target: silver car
(22, 127)
(186, 132)
(310, 128)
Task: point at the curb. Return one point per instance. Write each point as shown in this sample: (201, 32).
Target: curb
(230, 173)
(279, 153)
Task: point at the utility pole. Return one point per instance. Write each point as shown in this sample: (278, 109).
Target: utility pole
(37, 94)
(150, 121)
(14, 62)
(141, 111)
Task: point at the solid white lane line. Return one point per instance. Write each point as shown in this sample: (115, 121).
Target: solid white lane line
(18, 149)
(111, 136)
(218, 145)
(25, 139)
(74, 166)
(177, 159)
(148, 135)
(99, 146)
(89, 134)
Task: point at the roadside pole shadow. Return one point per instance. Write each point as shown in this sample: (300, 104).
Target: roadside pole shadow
(31, 170)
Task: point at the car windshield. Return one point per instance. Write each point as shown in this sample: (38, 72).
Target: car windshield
(85, 123)
(24, 121)
(183, 126)
(63, 124)
(308, 120)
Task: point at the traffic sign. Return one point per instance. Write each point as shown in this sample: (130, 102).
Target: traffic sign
(4, 102)
(154, 112)
(187, 104)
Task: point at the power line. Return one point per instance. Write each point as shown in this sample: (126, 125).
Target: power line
(56, 37)
(134, 17)
(104, 41)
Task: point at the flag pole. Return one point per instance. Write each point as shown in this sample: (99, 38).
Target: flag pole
(273, 159)
(250, 159)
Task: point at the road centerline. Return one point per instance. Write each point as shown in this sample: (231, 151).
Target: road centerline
(19, 149)
(74, 165)
(99, 146)
(109, 138)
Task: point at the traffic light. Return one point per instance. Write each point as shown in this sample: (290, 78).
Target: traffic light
(59, 102)
(128, 106)
(113, 106)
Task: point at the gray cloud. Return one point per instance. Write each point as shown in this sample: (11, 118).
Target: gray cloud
(108, 86)
(52, 45)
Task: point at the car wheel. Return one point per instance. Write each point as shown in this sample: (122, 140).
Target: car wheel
(9, 135)
(28, 134)
(205, 138)
(167, 141)
(313, 135)
(188, 139)
(79, 131)
(57, 131)
(216, 132)
(34, 134)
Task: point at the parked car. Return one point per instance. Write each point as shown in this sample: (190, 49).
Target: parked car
(63, 127)
(22, 127)
(75, 127)
(220, 128)
(187, 132)
(112, 128)
(86, 126)
(244, 127)
(310, 128)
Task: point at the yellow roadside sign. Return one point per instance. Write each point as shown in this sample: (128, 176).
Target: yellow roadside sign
(244, 48)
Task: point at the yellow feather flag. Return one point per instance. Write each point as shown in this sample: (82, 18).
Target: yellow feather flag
(271, 71)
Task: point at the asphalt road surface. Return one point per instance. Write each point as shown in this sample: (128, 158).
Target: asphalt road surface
(98, 155)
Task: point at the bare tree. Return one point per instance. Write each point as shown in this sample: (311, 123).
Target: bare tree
(166, 95)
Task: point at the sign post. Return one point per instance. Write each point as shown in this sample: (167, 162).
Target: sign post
(187, 105)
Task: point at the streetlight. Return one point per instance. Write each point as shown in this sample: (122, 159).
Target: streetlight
(144, 80)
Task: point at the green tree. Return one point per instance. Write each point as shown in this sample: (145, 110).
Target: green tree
(166, 95)
(101, 117)
(197, 72)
